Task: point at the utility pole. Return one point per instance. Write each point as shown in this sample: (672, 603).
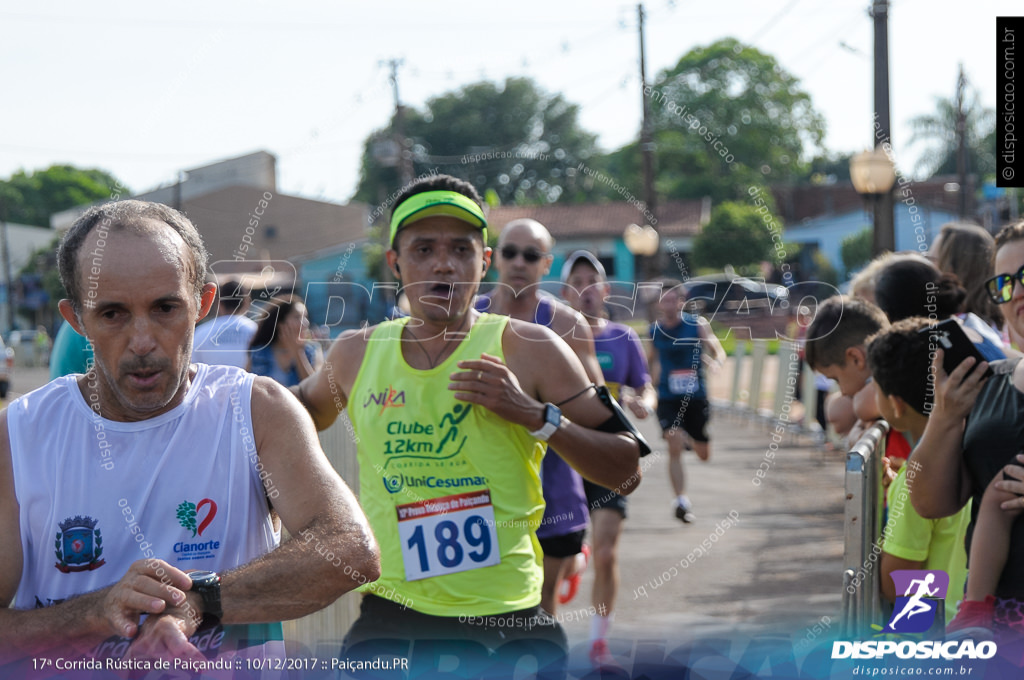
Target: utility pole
(398, 129)
(884, 230)
(961, 142)
(8, 276)
(647, 147)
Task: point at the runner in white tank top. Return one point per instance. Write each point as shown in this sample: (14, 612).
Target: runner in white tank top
(115, 483)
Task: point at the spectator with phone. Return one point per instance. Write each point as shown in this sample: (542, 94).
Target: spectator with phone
(972, 444)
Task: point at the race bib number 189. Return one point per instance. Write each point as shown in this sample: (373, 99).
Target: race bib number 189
(448, 535)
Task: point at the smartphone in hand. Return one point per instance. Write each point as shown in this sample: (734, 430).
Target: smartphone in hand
(954, 343)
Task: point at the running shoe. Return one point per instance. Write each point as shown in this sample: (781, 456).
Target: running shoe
(571, 584)
(974, 618)
(685, 514)
(602, 660)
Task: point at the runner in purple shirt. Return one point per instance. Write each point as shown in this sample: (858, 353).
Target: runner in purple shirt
(623, 363)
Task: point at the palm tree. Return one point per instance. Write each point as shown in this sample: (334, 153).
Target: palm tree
(938, 131)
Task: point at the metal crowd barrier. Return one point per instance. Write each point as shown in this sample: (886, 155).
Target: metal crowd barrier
(744, 395)
(862, 531)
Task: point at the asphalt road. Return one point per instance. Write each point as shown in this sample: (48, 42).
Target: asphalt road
(764, 555)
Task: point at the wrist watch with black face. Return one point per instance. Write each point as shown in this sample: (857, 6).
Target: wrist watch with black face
(552, 421)
(207, 585)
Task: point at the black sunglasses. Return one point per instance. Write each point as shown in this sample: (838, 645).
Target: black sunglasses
(531, 255)
(1000, 286)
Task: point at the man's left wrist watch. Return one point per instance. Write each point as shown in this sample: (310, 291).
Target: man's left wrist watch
(207, 585)
(552, 421)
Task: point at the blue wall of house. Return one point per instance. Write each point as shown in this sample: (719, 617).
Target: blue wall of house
(346, 303)
(911, 223)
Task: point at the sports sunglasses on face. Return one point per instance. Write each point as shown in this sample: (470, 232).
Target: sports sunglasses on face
(1000, 286)
(531, 255)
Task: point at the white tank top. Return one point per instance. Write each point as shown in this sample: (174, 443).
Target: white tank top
(96, 495)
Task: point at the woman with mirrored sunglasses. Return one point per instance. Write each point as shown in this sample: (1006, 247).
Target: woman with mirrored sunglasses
(970, 451)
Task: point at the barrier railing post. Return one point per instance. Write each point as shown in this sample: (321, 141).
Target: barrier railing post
(739, 354)
(810, 398)
(785, 385)
(757, 356)
(862, 530)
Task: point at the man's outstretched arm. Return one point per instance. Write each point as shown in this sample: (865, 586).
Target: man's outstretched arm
(324, 394)
(541, 368)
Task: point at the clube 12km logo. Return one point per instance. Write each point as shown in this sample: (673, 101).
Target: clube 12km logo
(913, 613)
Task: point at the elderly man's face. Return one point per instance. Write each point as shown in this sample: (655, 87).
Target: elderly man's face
(139, 310)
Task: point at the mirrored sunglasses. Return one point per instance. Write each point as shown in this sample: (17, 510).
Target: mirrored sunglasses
(1000, 286)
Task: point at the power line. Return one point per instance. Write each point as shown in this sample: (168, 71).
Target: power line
(771, 22)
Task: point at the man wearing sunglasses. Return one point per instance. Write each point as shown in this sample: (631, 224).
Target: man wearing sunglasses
(975, 429)
(452, 410)
(524, 258)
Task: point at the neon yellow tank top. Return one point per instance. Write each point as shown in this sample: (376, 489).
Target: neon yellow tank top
(451, 490)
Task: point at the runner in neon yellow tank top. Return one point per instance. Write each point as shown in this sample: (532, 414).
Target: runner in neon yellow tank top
(450, 407)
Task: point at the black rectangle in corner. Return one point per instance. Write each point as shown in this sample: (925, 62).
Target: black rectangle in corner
(1009, 112)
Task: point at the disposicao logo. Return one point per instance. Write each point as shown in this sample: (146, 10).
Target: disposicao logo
(914, 611)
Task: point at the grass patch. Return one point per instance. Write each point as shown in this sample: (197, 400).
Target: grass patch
(729, 341)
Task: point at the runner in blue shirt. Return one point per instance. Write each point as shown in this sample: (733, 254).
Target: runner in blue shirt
(677, 356)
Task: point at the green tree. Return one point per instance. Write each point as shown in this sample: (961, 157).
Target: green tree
(735, 235)
(937, 131)
(727, 117)
(828, 168)
(855, 249)
(30, 198)
(513, 139)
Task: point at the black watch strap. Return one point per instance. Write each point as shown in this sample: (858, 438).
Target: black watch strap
(207, 585)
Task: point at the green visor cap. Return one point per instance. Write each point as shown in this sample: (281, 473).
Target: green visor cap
(430, 203)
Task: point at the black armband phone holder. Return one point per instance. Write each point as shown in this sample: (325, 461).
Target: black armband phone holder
(619, 422)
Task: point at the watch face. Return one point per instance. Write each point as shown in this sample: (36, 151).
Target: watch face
(204, 578)
(553, 415)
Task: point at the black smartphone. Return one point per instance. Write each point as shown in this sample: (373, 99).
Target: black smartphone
(954, 343)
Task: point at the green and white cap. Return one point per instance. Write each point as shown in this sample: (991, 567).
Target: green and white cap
(441, 202)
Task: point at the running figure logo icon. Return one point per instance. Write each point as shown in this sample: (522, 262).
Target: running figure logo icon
(923, 592)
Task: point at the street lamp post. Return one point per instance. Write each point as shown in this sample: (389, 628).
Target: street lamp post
(885, 230)
(873, 176)
(642, 242)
